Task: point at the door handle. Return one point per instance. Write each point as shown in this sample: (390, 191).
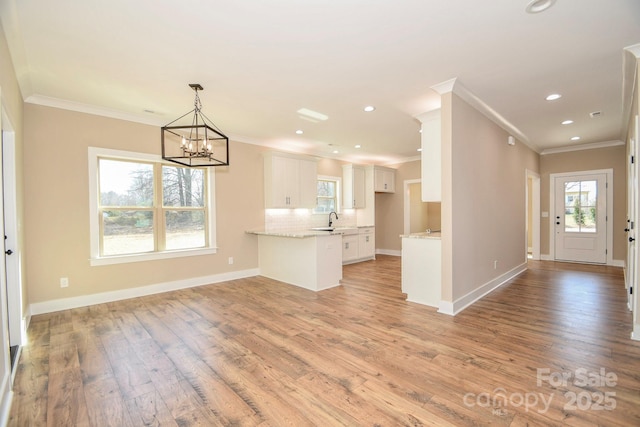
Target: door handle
(8, 252)
(558, 222)
(631, 239)
(626, 230)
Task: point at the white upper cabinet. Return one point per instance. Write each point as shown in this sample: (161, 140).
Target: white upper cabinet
(290, 181)
(384, 180)
(431, 156)
(354, 190)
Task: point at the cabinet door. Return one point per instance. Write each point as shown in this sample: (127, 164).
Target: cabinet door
(308, 184)
(366, 245)
(384, 180)
(359, 190)
(279, 174)
(349, 248)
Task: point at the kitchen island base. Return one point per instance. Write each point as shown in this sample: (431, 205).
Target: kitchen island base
(313, 263)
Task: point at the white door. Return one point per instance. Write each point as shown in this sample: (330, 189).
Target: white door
(581, 218)
(632, 194)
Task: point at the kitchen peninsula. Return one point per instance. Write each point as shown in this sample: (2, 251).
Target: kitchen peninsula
(307, 258)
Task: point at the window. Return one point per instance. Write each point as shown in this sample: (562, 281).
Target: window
(328, 192)
(143, 208)
(581, 206)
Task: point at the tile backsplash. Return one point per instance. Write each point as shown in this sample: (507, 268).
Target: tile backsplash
(301, 219)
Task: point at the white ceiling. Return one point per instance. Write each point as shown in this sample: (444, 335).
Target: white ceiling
(261, 61)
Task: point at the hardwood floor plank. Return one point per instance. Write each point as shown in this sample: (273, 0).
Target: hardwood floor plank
(257, 352)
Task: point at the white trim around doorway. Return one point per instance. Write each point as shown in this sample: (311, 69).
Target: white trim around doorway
(552, 198)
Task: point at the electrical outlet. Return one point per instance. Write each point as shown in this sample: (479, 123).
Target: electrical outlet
(64, 282)
(230, 260)
(495, 264)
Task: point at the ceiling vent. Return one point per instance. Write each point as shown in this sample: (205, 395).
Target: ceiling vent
(595, 114)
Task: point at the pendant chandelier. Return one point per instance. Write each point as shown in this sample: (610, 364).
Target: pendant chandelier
(193, 140)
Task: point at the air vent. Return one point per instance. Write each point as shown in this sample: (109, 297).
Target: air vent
(595, 114)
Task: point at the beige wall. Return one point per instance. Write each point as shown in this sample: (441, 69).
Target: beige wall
(57, 207)
(390, 209)
(575, 161)
(485, 204)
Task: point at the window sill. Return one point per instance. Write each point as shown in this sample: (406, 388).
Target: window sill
(122, 259)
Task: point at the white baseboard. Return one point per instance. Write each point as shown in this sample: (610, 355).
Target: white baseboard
(635, 335)
(619, 263)
(388, 252)
(104, 297)
(546, 257)
(453, 308)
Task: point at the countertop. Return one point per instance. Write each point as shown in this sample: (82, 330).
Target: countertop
(424, 235)
(301, 234)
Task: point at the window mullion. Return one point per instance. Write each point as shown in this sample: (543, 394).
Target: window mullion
(160, 225)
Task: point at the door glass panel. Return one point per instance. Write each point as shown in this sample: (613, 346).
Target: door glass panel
(580, 208)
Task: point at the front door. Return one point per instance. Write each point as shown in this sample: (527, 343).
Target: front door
(581, 218)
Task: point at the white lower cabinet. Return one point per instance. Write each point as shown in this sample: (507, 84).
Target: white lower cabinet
(349, 248)
(358, 245)
(367, 243)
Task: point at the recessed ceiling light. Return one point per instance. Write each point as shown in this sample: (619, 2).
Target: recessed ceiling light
(335, 151)
(419, 149)
(537, 6)
(567, 122)
(575, 138)
(369, 108)
(553, 97)
(299, 132)
(358, 146)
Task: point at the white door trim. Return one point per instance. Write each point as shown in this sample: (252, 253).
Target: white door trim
(534, 209)
(407, 204)
(552, 203)
(17, 321)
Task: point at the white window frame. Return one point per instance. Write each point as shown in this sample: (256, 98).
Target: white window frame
(95, 259)
(338, 181)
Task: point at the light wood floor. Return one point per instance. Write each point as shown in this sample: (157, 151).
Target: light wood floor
(258, 352)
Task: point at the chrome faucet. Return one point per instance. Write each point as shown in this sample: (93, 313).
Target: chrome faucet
(330, 213)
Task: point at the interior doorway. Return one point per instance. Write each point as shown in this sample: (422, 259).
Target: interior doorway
(533, 215)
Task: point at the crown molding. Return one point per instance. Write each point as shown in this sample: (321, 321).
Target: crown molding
(605, 144)
(48, 101)
(454, 85)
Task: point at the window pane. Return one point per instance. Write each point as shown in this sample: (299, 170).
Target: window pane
(580, 206)
(182, 187)
(589, 218)
(127, 232)
(326, 205)
(326, 189)
(125, 183)
(185, 229)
